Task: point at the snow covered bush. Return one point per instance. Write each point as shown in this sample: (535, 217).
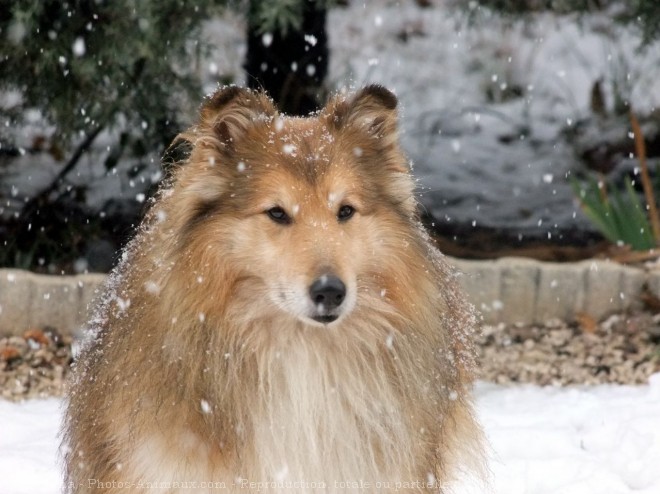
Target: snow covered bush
(643, 13)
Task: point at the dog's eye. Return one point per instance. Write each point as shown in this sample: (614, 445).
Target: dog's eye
(278, 215)
(345, 212)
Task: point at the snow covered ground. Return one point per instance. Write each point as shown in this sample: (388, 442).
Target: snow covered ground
(28, 447)
(589, 440)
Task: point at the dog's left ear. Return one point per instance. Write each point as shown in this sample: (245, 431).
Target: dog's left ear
(371, 110)
(368, 121)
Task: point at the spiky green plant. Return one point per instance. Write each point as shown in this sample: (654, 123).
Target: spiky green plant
(619, 216)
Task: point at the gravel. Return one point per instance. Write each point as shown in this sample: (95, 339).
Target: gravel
(623, 349)
(35, 364)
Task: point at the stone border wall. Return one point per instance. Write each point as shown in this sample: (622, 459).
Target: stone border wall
(508, 290)
(514, 290)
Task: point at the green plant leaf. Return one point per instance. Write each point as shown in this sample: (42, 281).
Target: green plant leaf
(619, 217)
(595, 208)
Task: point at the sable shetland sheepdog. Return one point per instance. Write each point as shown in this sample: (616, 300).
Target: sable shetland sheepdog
(281, 321)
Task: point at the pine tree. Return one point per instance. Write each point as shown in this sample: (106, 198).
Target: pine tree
(84, 63)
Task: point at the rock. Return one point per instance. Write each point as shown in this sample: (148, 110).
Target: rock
(37, 336)
(9, 353)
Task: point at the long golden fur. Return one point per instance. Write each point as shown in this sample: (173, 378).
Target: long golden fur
(213, 368)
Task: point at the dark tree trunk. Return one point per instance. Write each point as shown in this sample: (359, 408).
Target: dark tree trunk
(291, 67)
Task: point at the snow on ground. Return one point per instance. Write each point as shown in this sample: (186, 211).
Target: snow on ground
(28, 447)
(602, 439)
(577, 440)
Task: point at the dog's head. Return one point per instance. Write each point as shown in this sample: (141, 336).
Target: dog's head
(308, 214)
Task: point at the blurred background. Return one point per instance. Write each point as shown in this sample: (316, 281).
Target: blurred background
(533, 126)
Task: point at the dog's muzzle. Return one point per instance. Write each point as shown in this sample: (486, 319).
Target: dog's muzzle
(327, 293)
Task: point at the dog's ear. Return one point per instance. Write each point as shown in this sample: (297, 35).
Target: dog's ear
(371, 110)
(367, 122)
(231, 110)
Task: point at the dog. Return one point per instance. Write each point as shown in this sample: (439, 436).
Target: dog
(281, 321)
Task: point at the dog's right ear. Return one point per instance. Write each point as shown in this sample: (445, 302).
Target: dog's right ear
(231, 110)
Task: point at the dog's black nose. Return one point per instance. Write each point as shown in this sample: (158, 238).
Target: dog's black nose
(327, 291)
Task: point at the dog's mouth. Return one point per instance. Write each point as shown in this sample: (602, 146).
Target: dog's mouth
(325, 319)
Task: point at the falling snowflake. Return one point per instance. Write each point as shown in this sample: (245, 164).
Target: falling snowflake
(79, 47)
